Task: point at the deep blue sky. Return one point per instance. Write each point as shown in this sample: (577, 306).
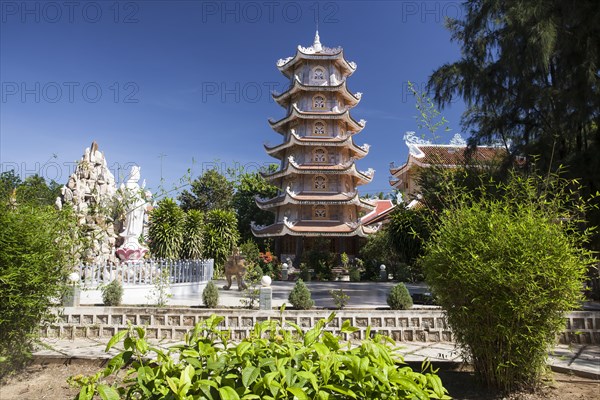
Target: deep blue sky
(190, 80)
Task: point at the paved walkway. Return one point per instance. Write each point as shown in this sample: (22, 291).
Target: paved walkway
(362, 294)
(580, 360)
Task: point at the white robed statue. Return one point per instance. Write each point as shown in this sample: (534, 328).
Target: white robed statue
(135, 202)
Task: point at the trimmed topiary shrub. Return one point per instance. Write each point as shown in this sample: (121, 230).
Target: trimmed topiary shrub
(399, 298)
(112, 294)
(300, 296)
(210, 295)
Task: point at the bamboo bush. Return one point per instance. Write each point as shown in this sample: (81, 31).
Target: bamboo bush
(506, 268)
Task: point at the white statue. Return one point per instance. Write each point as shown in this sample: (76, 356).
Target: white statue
(135, 204)
(134, 220)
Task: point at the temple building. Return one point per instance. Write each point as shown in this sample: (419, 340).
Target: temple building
(424, 154)
(317, 177)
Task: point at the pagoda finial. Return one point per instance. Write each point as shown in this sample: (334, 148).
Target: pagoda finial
(317, 44)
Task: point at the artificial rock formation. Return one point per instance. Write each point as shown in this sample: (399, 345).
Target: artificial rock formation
(91, 192)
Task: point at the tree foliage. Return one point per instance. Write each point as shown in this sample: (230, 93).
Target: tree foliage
(9, 181)
(220, 236)
(408, 230)
(506, 267)
(249, 185)
(165, 231)
(379, 249)
(35, 260)
(210, 191)
(193, 235)
(529, 75)
(33, 190)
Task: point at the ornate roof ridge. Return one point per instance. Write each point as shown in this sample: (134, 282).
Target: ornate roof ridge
(316, 49)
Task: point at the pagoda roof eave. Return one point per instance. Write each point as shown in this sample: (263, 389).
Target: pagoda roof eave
(309, 228)
(297, 113)
(335, 54)
(274, 151)
(350, 168)
(400, 169)
(291, 197)
(352, 98)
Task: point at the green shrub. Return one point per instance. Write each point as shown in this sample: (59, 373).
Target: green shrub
(300, 296)
(277, 361)
(340, 298)
(252, 278)
(320, 258)
(220, 237)
(210, 295)
(506, 269)
(354, 273)
(112, 294)
(165, 230)
(399, 298)
(161, 287)
(35, 261)
(191, 247)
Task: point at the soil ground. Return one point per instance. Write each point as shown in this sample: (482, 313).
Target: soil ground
(49, 381)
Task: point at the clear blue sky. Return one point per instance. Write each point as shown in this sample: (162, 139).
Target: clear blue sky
(191, 80)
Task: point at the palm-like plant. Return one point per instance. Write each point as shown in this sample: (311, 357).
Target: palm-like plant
(193, 235)
(166, 230)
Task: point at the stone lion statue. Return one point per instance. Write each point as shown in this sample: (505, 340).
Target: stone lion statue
(235, 266)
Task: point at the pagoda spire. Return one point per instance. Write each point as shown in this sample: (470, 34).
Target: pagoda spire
(317, 43)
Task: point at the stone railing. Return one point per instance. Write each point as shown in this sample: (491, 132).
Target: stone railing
(144, 272)
(582, 327)
(415, 325)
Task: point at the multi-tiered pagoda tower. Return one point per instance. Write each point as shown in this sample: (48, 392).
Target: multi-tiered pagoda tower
(317, 178)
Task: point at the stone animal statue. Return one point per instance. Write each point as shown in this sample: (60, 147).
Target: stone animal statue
(235, 266)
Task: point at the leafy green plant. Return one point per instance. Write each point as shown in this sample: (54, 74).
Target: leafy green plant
(210, 295)
(165, 231)
(320, 258)
(379, 249)
(161, 290)
(340, 298)
(305, 272)
(344, 260)
(192, 235)
(249, 250)
(506, 269)
(299, 297)
(220, 236)
(210, 191)
(354, 273)
(399, 298)
(253, 277)
(248, 185)
(277, 361)
(112, 294)
(35, 261)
